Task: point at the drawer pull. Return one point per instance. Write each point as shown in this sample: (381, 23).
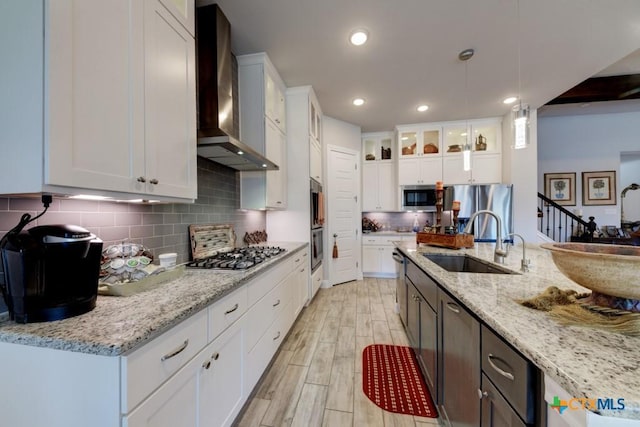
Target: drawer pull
(207, 364)
(505, 374)
(277, 336)
(231, 310)
(277, 303)
(453, 307)
(297, 260)
(176, 351)
(215, 356)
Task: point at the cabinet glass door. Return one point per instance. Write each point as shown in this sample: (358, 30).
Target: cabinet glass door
(386, 152)
(485, 137)
(408, 144)
(455, 137)
(370, 147)
(430, 142)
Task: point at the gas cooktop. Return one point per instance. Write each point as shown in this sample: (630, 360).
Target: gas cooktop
(238, 259)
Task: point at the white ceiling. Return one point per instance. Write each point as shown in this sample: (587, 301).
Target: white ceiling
(412, 55)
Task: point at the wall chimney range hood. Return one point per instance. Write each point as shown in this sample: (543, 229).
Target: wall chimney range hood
(218, 123)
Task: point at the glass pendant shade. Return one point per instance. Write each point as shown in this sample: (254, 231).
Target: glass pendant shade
(520, 126)
(466, 156)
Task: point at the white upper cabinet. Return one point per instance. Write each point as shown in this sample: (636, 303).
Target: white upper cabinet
(419, 154)
(112, 120)
(379, 187)
(433, 152)
(184, 12)
(263, 127)
(485, 138)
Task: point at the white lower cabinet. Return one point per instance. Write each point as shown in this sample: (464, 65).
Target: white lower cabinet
(316, 281)
(207, 391)
(377, 255)
(198, 373)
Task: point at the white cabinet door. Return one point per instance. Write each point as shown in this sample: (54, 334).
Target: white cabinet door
(170, 115)
(453, 171)
(315, 161)
(184, 12)
(370, 259)
(409, 172)
(369, 187)
(95, 137)
(486, 168)
(387, 263)
(378, 187)
(221, 385)
(276, 143)
(175, 403)
(118, 121)
(420, 171)
(275, 108)
(386, 190)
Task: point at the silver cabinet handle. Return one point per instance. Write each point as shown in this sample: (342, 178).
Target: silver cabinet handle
(141, 179)
(277, 336)
(482, 394)
(231, 310)
(277, 303)
(505, 374)
(154, 181)
(453, 307)
(297, 260)
(176, 351)
(207, 364)
(215, 356)
(302, 271)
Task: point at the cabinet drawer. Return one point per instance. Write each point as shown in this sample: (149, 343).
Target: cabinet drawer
(427, 287)
(262, 314)
(261, 285)
(495, 409)
(381, 240)
(226, 311)
(147, 368)
(259, 357)
(511, 373)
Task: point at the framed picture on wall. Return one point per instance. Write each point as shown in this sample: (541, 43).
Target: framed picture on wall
(599, 188)
(561, 188)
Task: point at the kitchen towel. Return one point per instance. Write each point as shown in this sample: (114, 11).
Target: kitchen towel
(392, 380)
(320, 208)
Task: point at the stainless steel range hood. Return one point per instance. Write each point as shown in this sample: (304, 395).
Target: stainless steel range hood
(233, 153)
(218, 124)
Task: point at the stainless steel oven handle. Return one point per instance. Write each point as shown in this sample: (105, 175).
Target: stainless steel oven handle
(398, 258)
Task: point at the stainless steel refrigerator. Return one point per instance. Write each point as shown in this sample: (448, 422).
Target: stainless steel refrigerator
(494, 197)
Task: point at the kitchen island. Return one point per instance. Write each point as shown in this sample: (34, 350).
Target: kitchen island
(156, 357)
(585, 362)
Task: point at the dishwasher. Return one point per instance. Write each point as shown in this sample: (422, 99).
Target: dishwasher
(401, 286)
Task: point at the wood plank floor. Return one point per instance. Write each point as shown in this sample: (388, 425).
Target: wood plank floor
(316, 377)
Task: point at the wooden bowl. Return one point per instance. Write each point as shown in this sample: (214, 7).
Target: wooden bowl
(607, 269)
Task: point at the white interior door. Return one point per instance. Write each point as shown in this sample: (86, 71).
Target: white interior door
(343, 214)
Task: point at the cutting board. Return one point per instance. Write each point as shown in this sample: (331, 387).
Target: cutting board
(209, 239)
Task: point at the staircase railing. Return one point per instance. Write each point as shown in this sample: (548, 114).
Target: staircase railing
(561, 225)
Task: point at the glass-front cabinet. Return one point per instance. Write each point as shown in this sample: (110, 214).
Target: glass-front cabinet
(419, 141)
(378, 146)
(484, 139)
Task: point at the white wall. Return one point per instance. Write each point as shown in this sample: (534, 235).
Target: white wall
(585, 143)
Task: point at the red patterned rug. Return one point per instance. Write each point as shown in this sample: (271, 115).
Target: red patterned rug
(391, 379)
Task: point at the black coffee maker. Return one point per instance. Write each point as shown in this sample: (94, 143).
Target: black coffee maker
(50, 272)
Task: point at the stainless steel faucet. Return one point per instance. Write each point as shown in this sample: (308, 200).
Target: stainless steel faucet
(524, 262)
(499, 253)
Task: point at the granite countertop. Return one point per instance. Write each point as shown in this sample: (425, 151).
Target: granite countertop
(120, 324)
(586, 362)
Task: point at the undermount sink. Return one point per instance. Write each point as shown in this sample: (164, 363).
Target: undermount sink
(466, 264)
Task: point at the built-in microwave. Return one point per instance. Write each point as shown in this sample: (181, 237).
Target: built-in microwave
(418, 198)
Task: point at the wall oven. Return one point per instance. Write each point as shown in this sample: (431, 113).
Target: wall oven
(316, 248)
(317, 205)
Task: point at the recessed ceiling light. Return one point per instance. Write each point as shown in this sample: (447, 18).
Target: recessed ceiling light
(422, 108)
(510, 100)
(358, 101)
(358, 37)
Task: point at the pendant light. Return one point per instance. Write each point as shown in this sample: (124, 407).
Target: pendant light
(465, 56)
(520, 112)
